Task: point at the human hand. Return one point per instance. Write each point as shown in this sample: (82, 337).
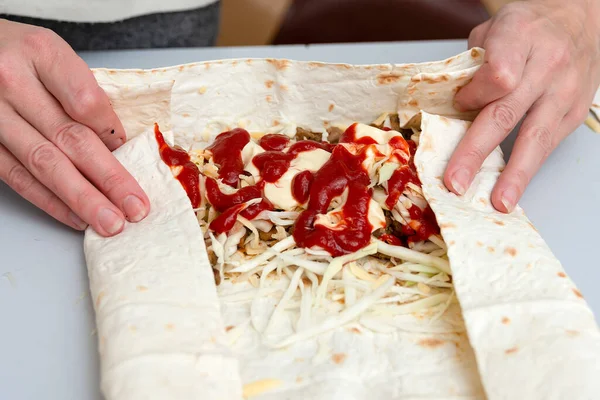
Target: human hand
(57, 130)
(542, 58)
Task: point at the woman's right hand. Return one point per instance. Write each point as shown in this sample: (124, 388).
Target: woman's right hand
(57, 131)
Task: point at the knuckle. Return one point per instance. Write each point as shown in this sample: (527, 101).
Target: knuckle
(73, 136)
(503, 75)
(81, 199)
(521, 178)
(86, 101)
(8, 72)
(504, 116)
(111, 181)
(39, 38)
(43, 157)
(19, 179)
(542, 136)
(561, 55)
(475, 154)
(579, 113)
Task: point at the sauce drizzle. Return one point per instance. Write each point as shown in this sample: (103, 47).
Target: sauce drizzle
(188, 175)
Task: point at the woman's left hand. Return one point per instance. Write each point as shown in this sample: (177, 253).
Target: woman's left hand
(542, 58)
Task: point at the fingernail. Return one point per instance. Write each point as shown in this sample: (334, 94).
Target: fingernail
(78, 222)
(134, 208)
(509, 199)
(458, 107)
(460, 180)
(110, 221)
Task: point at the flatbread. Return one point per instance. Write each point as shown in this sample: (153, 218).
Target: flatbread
(159, 321)
(521, 310)
(279, 96)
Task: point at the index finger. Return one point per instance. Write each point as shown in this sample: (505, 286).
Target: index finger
(506, 54)
(68, 78)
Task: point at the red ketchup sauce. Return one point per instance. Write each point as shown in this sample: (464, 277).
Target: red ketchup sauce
(189, 176)
(397, 183)
(301, 186)
(273, 164)
(223, 202)
(227, 153)
(273, 142)
(343, 170)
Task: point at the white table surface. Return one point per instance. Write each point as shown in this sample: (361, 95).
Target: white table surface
(47, 340)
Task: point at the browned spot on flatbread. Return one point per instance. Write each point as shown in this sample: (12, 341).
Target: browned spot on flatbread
(202, 89)
(141, 288)
(483, 201)
(99, 298)
(475, 53)
(449, 61)
(505, 320)
(368, 67)
(411, 91)
(387, 78)
(234, 63)
(578, 293)
(229, 327)
(343, 66)
(207, 65)
(213, 339)
(355, 330)
(339, 358)
(452, 242)
(413, 103)
(511, 251)
(278, 64)
(478, 243)
(331, 106)
(382, 67)
(298, 379)
(562, 274)
(445, 120)
(275, 123)
(283, 88)
(141, 72)
(530, 245)
(112, 72)
(170, 326)
(491, 249)
(185, 115)
(299, 359)
(500, 223)
(269, 84)
(249, 61)
(532, 226)
(448, 225)
(512, 350)
(529, 265)
(572, 333)
(316, 64)
(181, 68)
(269, 98)
(432, 343)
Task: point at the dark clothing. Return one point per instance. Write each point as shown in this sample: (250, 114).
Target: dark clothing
(191, 28)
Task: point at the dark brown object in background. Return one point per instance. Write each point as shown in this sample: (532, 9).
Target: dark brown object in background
(340, 21)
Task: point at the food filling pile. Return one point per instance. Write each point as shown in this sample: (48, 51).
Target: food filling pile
(340, 217)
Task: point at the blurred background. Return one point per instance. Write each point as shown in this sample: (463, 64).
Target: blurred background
(264, 22)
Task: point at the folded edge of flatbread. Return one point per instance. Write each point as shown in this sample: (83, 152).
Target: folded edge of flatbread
(158, 317)
(533, 334)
